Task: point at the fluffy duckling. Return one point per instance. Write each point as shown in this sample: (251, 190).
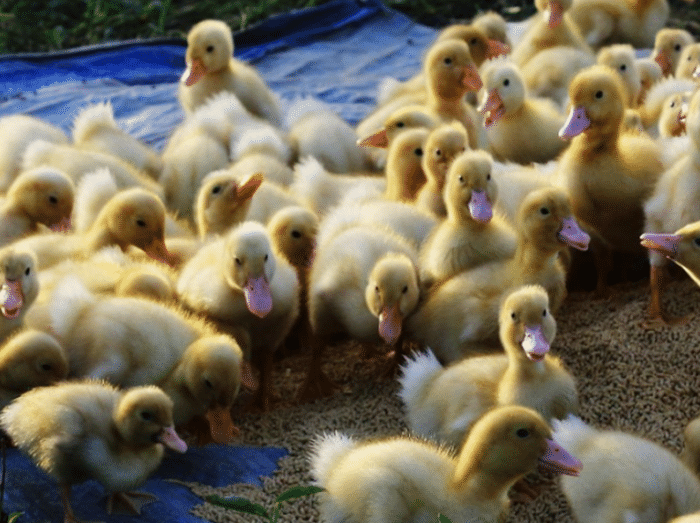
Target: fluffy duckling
(691, 450)
(494, 25)
(668, 48)
(91, 430)
(241, 281)
(271, 167)
(622, 59)
(656, 100)
(518, 128)
(605, 22)
(18, 131)
(689, 62)
(211, 68)
(552, 27)
(672, 122)
(131, 217)
(624, 477)
(443, 144)
(19, 288)
(649, 73)
(95, 129)
(293, 230)
(404, 118)
(404, 167)
(402, 479)
(40, 196)
(27, 360)
(470, 235)
(461, 314)
(443, 403)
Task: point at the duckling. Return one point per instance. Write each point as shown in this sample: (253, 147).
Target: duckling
(649, 73)
(621, 58)
(404, 167)
(29, 359)
(656, 99)
(211, 68)
(131, 217)
(403, 479)
(241, 281)
(470, 235)
(18, 131)
(95, 129)
(668, 47)
(461, 314)
(552, 27)
(293, 230)
(19, 288)
(91, 430)
(272, 169)
(443, 403)
(672, 122)
(40, 196)
(624, 477)
(495, 27)
(691, 450)
(443, 144)
(518, 128)
(635, 22)
(608, 174)
(688, 62)
(395, 123)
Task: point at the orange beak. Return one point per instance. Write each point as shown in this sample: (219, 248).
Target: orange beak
(390, 323)
(554, 13)
(664, 62)
(194, 72)
(378, 139)
(158, 251)
(221, 425)
(471, 79)
(496, 48)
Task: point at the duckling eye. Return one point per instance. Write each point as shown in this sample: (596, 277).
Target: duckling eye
(447, 61)
(544, 313)
(53, 200)
(46, 366)
(438, 152)
(296, 234)
(140, 222)
(405, 289)
(376, 289)
(506, 82)
(599, 94)
(400, 124)
(238, 261)
(488, 177)
(210, 48)
(216, 189)
(418, 151)
(623, 67)
(461, 179)
(473, 41)
(677, 47)
(544, 211)
(146, 416)
(522, 433)
(673, 104)
(696, 241)
(27, 271)
(265, 258)
(208, 384)
(512, 315)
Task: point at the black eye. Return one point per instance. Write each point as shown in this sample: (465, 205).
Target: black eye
(506, 82)
(400, 124)
(27, 271)
(673, 104)
(53, 200)
(544, 313)
(46, 366)
(696, 241)
(140, 222)
(376, 288)
(623, 67)
(473, 41)
(265, 258)
(512, 315)
(216, 189)
(599, 94)
(438, 152)
(418, 152)
(544, 211)
(405, 289)
(447, 61)
(488, 177)
(208, 384)
(210, 48)
(522, 433)
(296, 234)
(146, 416)
(677, 47)
(238, 261)
(461, 179)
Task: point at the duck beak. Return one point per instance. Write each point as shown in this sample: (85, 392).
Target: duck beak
(554, 13)
(11, 299)
(535, 345)
(390, 323)
(495, 48)
(258, 297)
(378, 139)
(170, 439)
(666, 244)
(664, 62)
(221, 425)
(572, 235)
(575, 124)
(194, 72)
(557, 459)
(471, 79)
(61, 226)
(158, 251)
(480, 207)
(492, 109)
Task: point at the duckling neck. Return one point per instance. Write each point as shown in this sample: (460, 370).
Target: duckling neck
(521, 369)
(99, 236)
(487, 485)
(532, 259)
(599, 141)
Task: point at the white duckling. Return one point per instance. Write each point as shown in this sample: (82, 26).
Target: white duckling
(624, 477)
(470, 235)
(518, 128)
(656, 100)
(240, 281)
(18, 131)
(461, 314)
(270, 167)
(668, 48)
(91, 430)
(443, 403)
(406, 480)
(29, 359)
(40, 196)
(96, 129)
(19, 288)
(649, 73)
(211, 69)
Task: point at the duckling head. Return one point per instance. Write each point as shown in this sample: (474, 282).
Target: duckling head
(527, 327)
(293, 230)
(405, 162)
(444, 143)
(506, 443)
(20, 282)
(144, 416)
(223, 201)
(481, 46)
(471, 192)
(504, 91)
(408, 117)
(250, 265)
(689, 62)
(546, 219)
(45, 195)
(209, 49)
(31, 359)
(621, 58)
(672, 121)
(450, 70)
(668, 47)
(649, 73)
(597, 98)
(681, 247)
(553, 10)
(392, 293)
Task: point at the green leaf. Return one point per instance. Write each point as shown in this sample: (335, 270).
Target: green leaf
(239, 504)
(14, 517)
(298, 492)
(444, 519)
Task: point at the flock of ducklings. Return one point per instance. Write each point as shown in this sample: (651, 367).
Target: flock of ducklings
(162, 284)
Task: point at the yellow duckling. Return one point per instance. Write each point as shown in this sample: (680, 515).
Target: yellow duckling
(691, 451)
(443, 403)
(403, 480)
(91, 430)
(672, 122)
(19, 288)
(211, 69)
(649, 73)
(622, 59)
(404, 118)
(404, 167)
(689, 62)
(668, 48)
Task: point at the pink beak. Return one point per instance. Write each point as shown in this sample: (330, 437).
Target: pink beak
(480, 207)
(535, 345)
(62, 226)
(492, 109)
(575, 124)
(170, 439)
(258, 297)
(11, 299)
(558, 460)
(390, 323)
(666, 244)
(571, 234)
